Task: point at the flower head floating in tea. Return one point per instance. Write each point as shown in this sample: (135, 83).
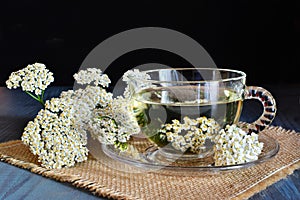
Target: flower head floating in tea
(191, 135)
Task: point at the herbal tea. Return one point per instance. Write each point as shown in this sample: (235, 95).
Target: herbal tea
(183, 110)
(161, 107)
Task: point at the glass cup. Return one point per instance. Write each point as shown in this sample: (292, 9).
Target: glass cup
(181, 110)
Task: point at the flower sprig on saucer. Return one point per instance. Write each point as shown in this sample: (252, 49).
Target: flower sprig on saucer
(54, 137)
(235, 146)
(33, 79)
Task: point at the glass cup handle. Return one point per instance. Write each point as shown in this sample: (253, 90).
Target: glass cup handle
(269, 108)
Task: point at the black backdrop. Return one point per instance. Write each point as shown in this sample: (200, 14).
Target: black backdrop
(258, 37)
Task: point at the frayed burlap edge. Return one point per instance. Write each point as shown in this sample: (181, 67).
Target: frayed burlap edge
(279, 175)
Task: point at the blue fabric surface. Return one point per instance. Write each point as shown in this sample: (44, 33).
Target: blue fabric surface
(17, 108)
(18, 183)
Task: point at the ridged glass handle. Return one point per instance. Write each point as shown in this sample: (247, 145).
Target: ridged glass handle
(269, 108)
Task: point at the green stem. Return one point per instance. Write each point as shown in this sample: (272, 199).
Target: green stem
(42, 98)
(38, 98)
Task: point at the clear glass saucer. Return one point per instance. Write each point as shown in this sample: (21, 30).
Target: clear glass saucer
(146, 155)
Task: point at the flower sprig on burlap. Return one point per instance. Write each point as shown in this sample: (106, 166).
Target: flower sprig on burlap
(54, 137)
(58, 134)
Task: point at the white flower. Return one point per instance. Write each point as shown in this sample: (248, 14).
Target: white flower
(136, 74)
(140, 78)
(34, 78)
(92, 75)
(122, 112)
(53, 136)
(234, 146)
(115, 123)
(192, 134)
(108, 119)
(84, 102)
(58, 133)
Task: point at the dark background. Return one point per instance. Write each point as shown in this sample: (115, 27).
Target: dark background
(258, 37)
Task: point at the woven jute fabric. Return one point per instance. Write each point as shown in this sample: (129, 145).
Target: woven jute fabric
(117, 180)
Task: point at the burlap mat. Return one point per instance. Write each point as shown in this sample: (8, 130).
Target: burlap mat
(103, 178)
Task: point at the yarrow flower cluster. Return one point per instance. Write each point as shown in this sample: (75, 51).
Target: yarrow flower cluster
(111, 120)
(84, 101)
(33, 79)
(234, 146)
(115, 123)
(92, 76)
(53, 136)
(192, 134)
(58, 133)
(135, 74)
